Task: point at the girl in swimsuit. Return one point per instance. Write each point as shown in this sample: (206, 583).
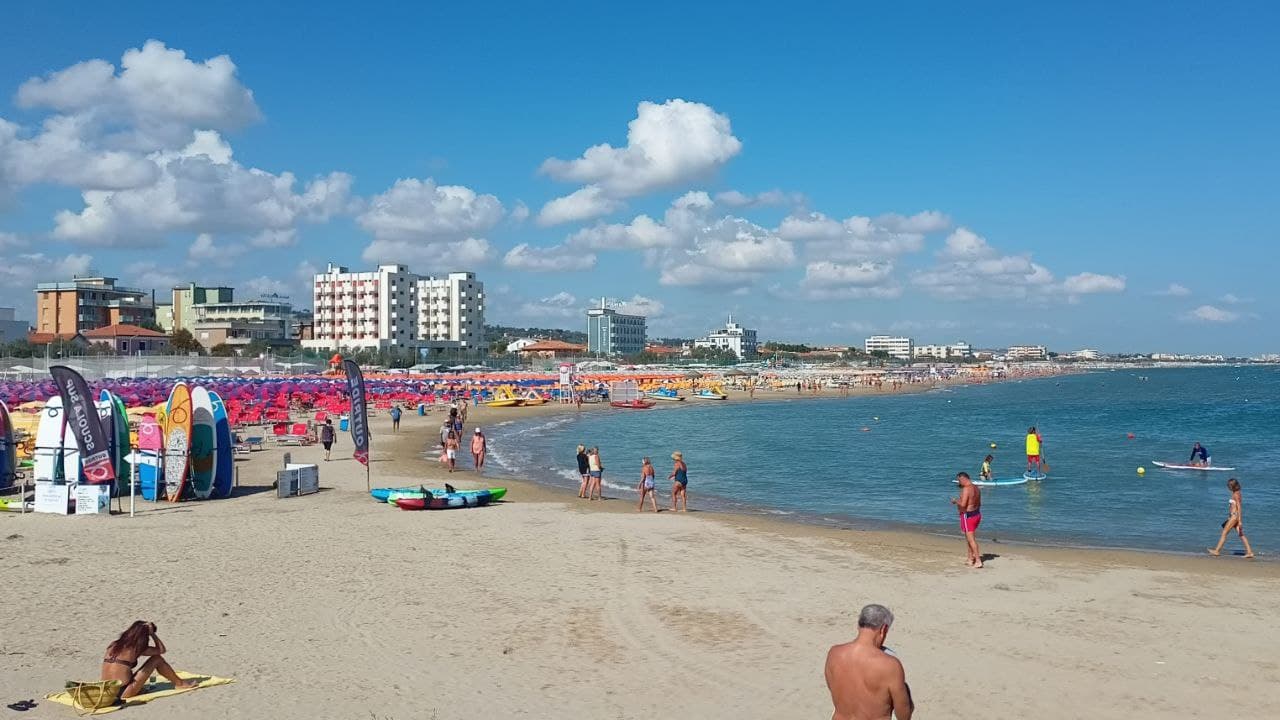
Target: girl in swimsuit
(1235, 520)
(646, 486)
(680, 483)
(139, 641)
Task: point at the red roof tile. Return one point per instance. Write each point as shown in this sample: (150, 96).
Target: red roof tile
(122, 330)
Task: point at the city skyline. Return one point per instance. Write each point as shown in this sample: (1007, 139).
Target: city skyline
(977, 177)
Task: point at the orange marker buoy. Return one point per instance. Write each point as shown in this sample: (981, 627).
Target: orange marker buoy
(1130, 436)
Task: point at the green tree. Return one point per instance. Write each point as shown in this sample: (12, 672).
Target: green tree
(183, 342)
(222, 350)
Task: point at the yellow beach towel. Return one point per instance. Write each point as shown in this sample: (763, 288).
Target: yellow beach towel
(153, 691)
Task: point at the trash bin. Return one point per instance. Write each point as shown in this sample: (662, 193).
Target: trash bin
(422, 408)
(343, 423)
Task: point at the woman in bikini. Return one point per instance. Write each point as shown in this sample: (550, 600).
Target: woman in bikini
(1235, 520)
(122, 656)
(646, 486)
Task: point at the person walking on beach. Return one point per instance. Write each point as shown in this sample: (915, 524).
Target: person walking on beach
(1235, 520)
(596, 470)
(985, 475)
(969, 505)
(451, 450)
(584, 469)
(479, 447)
(647, 488)
(1199, 456)
(445, 429)
(135, 643)
(865, 680)
(327, 436)
(679, 478)
(395, 418)
(1033, 449)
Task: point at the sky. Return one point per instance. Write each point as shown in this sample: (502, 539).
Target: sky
(1100, 175)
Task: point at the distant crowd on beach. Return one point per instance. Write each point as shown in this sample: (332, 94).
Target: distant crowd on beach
(591, 469)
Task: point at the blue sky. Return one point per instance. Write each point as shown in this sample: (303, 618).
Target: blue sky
(1077, 175)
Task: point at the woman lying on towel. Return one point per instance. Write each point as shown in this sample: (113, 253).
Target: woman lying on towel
(122, 657)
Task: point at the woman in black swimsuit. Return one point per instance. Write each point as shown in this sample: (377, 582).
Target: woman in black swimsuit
(139, 641)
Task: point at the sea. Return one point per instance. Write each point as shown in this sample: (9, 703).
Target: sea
(889, 461)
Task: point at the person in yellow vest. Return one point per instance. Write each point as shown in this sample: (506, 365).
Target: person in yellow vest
(1033, 450)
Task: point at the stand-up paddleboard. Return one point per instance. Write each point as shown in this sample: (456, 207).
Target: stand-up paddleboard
(1033, 476)
(150, 447)
(177, 441)
(204, 460)
(225, 462)
(1180, 466)
(1001, 481)
(8, 453)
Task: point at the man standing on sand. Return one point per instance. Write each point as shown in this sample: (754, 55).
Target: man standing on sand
(866, 682)
(969, 505)
(395, 418)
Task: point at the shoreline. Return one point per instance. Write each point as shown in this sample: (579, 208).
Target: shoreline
(834, 523)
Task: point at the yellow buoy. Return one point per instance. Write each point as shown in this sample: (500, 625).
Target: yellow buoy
(993, 446)
(1142, 470)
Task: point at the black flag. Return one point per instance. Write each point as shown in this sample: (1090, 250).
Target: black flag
(83, 422)
(359, 417)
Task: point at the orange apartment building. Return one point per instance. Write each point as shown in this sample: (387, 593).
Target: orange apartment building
(88, 303)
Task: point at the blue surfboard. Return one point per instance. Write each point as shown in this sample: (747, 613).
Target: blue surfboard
(224, 473)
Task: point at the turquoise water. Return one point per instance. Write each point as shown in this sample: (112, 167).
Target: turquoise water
(810, 458)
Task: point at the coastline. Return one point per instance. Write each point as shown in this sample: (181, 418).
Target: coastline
(546, 607)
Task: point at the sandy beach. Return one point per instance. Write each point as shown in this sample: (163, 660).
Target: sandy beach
(333, 606)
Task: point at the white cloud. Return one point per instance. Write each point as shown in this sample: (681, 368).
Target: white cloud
(561, 306)
(430, 226)
(438, 256)
(971, 268)
(866, 274)
(964, 244)
(1175, 290)
(641, 233)
(667, 144)
(205, 252)
(1232, 299)
(729, 251)
(275, 238)
(1211, 314)
(861, 238)
(152, 275)
(158, 97)
(1088, 283)
(519, 213)
(263, 286)
(638, 305)
(736, 199)
(559, 258)
(10, 241)
(582, 204)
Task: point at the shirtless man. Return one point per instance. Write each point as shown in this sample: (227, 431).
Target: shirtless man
(867, 683)
(969, 505)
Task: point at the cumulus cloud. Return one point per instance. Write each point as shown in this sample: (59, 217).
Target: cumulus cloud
(428, 225)
(561, 306)
(582, 204)
(641, 233)
(729, 251)
(638, 305)
(667, 144)
(1088, 283)
(737, 199)
(558, 258)
(152, 275)
(205, 252)
(861, 238)
(275, 238)
(1210, 314)
(1175, 290)
(1232, 299)
(519, 213)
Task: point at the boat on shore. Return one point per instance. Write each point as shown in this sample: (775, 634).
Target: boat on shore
(665, 395)
(636, 404)
(709, 394)
(505, 396)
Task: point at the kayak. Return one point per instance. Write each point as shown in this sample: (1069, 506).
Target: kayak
(1177, 466)
(444, 501)
(418, 493)
(381, 494)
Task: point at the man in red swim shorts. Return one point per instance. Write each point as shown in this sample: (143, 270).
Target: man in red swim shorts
(969, 505)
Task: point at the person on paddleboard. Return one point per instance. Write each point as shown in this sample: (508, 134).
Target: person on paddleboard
(1033, 449)
(985, 475)
(1199, 456)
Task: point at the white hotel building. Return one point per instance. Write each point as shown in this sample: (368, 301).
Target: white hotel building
(899, 347)
(1027, 352)
(392, 308)
(954, 351)
(732, 337)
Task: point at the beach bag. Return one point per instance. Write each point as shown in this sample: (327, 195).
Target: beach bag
(92, 696)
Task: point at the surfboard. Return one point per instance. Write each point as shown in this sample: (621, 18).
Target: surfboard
(225, 463)
(1179, 466)
(204, 460)
(1001, 481)
(8, 453)
(150, 446)
(56, 457)
(177, 441)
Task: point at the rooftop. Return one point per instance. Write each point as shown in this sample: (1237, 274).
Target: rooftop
(122, 330)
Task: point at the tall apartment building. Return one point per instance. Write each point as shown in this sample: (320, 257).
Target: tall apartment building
(1027, 352)
(392, 308)
(187, 297)
(88, 303)
(610, 332)
(733, 337)
(898, 347)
